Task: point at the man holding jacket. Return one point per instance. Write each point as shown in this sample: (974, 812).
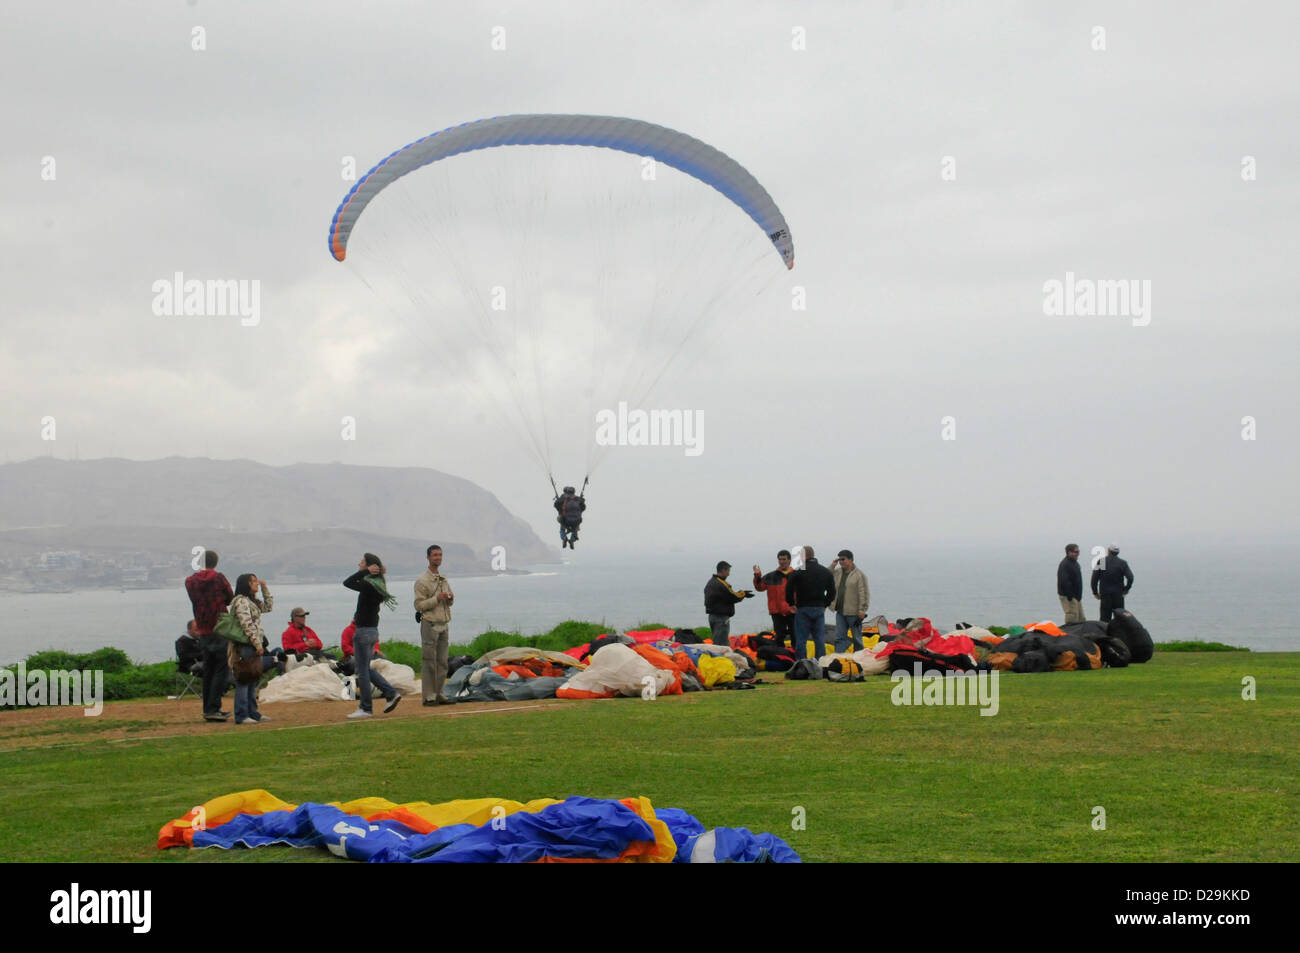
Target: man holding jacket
(813, 589)
(852, 596)
(1111, 581)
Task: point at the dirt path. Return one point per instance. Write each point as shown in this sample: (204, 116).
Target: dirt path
(164, 718)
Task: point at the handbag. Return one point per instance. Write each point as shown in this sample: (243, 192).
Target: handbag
(247, 667)
(228, 628)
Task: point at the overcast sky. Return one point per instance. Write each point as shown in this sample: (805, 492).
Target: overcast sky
(1153, 143)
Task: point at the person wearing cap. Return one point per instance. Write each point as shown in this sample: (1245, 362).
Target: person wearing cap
(852, 596)
(720, 603)
(1069, 584)
(1111, 581)
(299, 638)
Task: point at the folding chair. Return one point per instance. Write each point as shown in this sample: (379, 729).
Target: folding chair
(186, 683)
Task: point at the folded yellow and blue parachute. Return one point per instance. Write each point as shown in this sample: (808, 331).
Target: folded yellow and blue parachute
(482, 830)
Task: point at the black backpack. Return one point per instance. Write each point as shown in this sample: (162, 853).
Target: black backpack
(805, 669)
(1133, 633)
(1114, 651)
(457, 661)
(599, 643)
(571, 509)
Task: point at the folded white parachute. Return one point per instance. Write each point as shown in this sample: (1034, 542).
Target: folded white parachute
(616, 668)
(401, 677)
(320, 683)
(306, 683)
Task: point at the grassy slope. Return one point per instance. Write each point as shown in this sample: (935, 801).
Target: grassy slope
(1185, 769)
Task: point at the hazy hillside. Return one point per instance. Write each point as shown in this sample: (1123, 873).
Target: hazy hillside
(282, 514)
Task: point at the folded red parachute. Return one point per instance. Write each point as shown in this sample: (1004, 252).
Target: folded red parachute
(485, 830)
(645, 637)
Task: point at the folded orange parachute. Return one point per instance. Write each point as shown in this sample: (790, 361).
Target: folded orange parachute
(575, 830)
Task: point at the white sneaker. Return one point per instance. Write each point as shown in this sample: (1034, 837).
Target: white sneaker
(360, 713)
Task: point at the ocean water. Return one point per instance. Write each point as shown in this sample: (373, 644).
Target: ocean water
(1246, 597)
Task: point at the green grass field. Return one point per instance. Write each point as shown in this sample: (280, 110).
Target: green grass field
(1183, 766)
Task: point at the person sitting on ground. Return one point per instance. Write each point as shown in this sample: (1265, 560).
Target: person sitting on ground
(189, 651)
(348, 665)
(299, 638)
(569, 507)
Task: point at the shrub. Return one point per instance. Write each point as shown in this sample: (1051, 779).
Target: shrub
(1194, 646)
(53, 660)
(402, 653)
(569, 634)
(142, 681)
(107, 659)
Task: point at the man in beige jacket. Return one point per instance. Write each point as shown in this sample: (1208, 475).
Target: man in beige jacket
(433, 599)
(852, 596)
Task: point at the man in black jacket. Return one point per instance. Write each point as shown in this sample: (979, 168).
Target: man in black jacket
(720, 603)
(810, 590)
(1111, 581)
(1069, 584)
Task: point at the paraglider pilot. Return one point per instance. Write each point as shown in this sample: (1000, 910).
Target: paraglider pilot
(569, 507)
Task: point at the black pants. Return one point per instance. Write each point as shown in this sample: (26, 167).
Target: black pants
(216, 672)
(1110, 601)
(783, 628)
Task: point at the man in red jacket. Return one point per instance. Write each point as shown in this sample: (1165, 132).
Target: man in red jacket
(299, 638)
(778, 606)
(210, 593)
(349, 663)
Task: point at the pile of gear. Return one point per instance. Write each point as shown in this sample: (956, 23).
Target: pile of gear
(643, 664)
(915, 645)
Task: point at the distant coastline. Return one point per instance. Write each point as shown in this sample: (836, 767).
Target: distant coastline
(123, 525)
(64, 585)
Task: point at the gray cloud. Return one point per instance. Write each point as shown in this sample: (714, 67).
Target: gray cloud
(925, 296)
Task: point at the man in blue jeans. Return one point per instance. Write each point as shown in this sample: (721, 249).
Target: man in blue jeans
(810, 590)
(852, 598)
